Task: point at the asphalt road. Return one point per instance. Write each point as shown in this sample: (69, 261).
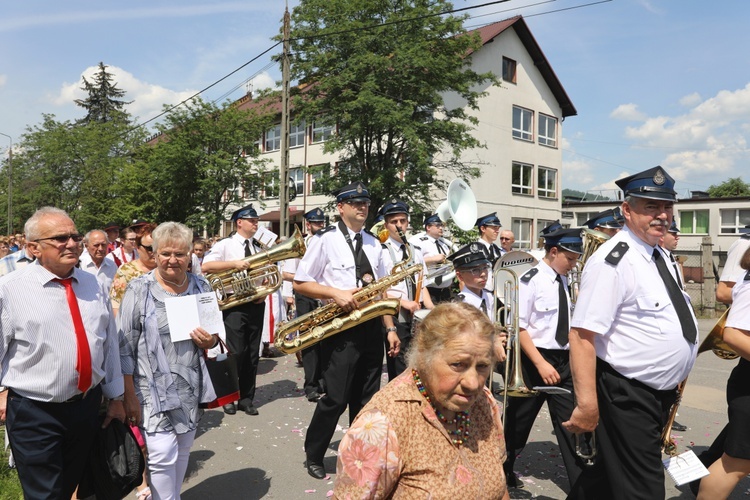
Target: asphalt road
(244, 457)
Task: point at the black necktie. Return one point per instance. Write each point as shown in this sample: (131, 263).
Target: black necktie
(439, 247)
(248, 253)
(563, 325)
(358, 244)
(677, 271)
(678, 300)
(403, 252)
(483, 307)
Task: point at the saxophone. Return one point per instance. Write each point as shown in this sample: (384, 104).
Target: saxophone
(331, 319)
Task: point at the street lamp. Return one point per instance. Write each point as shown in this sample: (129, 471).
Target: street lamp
(10, 184)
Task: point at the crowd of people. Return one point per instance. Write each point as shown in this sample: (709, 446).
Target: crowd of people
(607, 359)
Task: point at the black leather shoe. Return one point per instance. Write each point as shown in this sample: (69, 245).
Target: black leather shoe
(313, 397)
(513, 481)
(676, 426)
(250, 410)
(229, 409)
(316, 470)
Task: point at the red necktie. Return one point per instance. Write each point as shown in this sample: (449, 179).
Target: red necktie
(83, 362)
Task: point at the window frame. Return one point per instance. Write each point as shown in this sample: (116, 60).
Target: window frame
(321, 129)
(522, 230)
(523, 131)
(509, 70)
(542, 135)
(297, 174)
(684, 219)
(739, 222)
(297, 134)
(543, 192)
(520, 189)
(272, 135)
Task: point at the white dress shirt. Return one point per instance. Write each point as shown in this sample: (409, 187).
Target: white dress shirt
(739, 313)
(732, 271)
(428, 246)
(539, 306)
(475, 300)
(105, 273)
(231, 248)
(628, 307)
(38, 349)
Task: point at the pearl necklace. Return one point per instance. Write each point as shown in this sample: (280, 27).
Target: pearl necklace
(178, 285)
(461, 419)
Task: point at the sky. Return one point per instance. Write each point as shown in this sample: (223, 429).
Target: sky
(655, 82)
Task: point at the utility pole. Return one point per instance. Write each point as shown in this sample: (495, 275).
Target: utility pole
(10, 185)
(284, 166)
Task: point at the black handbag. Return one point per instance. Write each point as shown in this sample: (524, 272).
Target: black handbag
(223, 372)
(116, 464)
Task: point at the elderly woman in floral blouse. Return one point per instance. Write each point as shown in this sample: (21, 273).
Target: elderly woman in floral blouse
(435, 429)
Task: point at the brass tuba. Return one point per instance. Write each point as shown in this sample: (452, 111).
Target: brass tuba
(592, 240)
(331, 319)
(715, 340)
(262, 278)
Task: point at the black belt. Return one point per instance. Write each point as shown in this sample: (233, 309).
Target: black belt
(78, 397)
(606, 367)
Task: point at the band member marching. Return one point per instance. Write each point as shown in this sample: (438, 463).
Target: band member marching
(339, 260)
(396, 218)
(489, 229)
(434, 250)
(544, 309)
(634, 339)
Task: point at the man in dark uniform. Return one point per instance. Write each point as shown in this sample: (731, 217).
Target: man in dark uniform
(244, 323)
(634, 339)
(544, 317)
(339, 260)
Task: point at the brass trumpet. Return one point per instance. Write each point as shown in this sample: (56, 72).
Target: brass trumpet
(261, 278)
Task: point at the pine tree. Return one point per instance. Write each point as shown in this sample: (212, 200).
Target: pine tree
(103, 103)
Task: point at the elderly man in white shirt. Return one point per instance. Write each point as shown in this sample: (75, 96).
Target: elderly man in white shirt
(94, 260)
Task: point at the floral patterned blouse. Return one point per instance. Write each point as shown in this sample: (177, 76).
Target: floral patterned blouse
(397, 448)
(125, 273)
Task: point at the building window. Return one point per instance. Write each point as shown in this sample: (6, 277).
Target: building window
(521, 178)
(298, 177)
(694, 221)
(522, 124)
(317, 172)
(547, 182)
(732, 220)
(273, 139)
(321, 131)
(522, 231)
(509, 70)
(297, 134)
(271, 184)
(547, 131)
(582, 217)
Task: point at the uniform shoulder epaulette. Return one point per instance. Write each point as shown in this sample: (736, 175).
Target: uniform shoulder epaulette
(747, 276)
(416, 247)
(424, 238)
(529, 274)
(459, 298)
(385, 247)
(617, 253)
(325, 230)
(366, 230)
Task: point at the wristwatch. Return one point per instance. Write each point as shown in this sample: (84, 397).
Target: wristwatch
(391, 329)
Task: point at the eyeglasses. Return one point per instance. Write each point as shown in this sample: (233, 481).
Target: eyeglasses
(147, 247)
(358, 203)
(176, 255)
(437, 224)
(63, 238)
(477, 271)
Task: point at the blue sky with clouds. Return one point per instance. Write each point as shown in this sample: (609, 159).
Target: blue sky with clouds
(654, 81)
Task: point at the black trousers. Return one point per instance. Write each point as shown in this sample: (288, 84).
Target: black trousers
(522, 412)
(244, 325)
(51, 442)
(351, 376)
(631, 418)
(310, 355)
(439, 295)
(397, 365)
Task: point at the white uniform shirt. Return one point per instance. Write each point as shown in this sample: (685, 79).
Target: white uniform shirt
(475, 300)
(539, 306)
(232, 248)
(330, 261)
(732, 271)
(105, 273)
(401, 289)
(670, 259)
(628, 307)
(739, 314)
(429, 248)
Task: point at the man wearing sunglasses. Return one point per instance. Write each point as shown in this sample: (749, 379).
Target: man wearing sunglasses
(58, 359)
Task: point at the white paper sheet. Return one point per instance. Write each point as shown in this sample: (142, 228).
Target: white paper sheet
(185, 314)
(685, 468)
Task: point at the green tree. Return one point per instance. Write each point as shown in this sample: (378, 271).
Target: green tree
(384, 88)
(103, 102)
(730, 187)
(204, 158)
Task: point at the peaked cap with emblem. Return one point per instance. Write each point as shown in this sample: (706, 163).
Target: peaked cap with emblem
(432, 219)
(315, 215)
(394, 206)
(356, 191)
(567, 239)
(247, 212)
(654, 183)
(471, 255)
(745, 230)
(488, 220)
(673, 228)
(551, 228)
(611, 219)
